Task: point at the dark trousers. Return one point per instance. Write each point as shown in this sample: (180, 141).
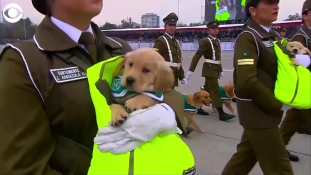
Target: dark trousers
(263, 145)
(294, 119)
(212, 87)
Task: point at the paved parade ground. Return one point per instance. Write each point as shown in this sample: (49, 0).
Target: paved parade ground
(214, 148)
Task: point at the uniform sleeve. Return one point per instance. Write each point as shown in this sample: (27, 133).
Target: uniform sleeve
(203, 48)
(181, 73)
(26, 144)
(158, 46)
(245, 61)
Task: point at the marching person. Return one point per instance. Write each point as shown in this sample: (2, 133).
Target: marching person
(282, 31)
(210, 48)
(296, 119)
(170, 49)
(259, 112)
(48, 119)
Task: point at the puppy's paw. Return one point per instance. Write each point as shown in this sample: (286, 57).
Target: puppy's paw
(118, 115)
(139, 102)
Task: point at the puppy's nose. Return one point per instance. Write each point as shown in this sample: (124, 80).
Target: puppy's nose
(130, 81)
(295, 50)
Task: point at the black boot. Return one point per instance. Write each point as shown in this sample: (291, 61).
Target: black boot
(292, 157)
(202, 112)
(224, 116)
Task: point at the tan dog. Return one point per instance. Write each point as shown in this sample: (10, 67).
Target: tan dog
(297, 48)
(195, 101)
(226, 95)
(144, 70)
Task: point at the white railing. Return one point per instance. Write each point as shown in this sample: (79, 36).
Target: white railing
(184, 46)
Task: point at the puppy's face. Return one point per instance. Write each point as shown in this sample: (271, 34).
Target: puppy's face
(229, 88)
(296, 47)
(146, 70)
(201, 97)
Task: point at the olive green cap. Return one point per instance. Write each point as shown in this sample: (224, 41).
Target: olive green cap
(40, 6)
(213, 24)
(306, 6)
(171, 18)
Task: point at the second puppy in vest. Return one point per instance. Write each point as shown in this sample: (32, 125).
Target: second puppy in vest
(146, 75)
(193, 102)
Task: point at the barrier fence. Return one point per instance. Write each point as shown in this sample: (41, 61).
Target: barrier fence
(185, 46)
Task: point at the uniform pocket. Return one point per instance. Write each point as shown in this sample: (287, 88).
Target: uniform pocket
(104, 88)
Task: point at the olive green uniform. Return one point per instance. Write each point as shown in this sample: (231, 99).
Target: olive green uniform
(48, 121)
(294, 117)
(259, 112)
(170, 49)
(210, 48)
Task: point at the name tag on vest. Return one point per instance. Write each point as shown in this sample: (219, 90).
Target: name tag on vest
(68, 74)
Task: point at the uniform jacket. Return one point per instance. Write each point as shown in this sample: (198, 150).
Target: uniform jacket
(161, 46)
(255, 73)
(48, 125)
(303, 36)
(205, 49)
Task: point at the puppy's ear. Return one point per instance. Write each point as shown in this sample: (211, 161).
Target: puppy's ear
(121, 65)
(197, 97)
(165, 78)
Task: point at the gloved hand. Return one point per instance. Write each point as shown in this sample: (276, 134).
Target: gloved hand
(189, 75)
(304, 60)
(221, 75)
(141, 126)
(184, 81)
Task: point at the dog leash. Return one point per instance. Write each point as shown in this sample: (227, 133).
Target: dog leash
(189, 87)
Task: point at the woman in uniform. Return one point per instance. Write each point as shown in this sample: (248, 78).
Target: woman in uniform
(260, 113)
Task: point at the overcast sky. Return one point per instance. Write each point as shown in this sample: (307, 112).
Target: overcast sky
(116, 10)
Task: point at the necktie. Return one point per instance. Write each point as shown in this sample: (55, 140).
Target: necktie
(87, 39)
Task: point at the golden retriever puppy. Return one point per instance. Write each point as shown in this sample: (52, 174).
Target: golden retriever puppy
(145, 76)
(226, 95)
(194, 102)
(297, 48)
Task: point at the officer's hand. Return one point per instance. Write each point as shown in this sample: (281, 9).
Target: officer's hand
(184, 81)
(221, 75)
(141, 126)
(189, 75)
(304, 60)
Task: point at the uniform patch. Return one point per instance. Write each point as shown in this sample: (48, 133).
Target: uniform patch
(268, 43)
(68, 74)
(245, 54)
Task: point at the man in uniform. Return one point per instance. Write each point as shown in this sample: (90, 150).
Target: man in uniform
(47, 117)
(282, 31)
(296, 119)
(210, 48)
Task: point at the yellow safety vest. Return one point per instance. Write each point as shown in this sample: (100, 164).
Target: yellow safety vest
(164, 155)
(293, 85)
(223, 16)
(243, 3)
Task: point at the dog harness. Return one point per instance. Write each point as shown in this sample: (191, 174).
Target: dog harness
(293, 84)
(223, 94)
(120, 91)
(188, 107)
(165, 154)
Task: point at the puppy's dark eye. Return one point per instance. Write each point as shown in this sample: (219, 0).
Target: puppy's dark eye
(145, 70)
(130, 64)
(291, 46)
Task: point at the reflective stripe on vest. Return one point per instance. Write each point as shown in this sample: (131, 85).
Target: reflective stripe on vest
(167, 154)
(293, 83)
